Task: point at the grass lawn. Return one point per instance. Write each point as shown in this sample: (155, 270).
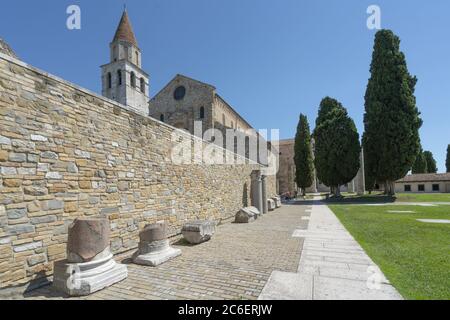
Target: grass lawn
(399, 197)
(414, 256)
(423, 197)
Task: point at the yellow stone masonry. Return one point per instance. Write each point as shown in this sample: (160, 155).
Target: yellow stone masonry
(66, 153)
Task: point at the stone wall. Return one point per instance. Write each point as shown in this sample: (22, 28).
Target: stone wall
(182, 113)
(66, 152)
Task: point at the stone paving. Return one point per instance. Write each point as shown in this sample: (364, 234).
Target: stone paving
(235, 264)
(332, 266)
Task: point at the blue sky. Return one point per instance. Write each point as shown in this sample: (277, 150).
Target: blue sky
(271, 60)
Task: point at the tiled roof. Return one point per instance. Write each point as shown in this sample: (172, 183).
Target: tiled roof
(426, 177)
(125, 31)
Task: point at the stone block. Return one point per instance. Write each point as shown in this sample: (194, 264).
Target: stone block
(35, 137)
(198, 231)
(17, 157)
(49, 155)
(16, 213)
(271, 204)
(55, 204)
(247, 215)
(12, 183)
(277, 202)
(35, 191)
(54, 176)
(5, 140)
(154, 247)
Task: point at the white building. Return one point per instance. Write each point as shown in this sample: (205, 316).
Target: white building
(424, 183)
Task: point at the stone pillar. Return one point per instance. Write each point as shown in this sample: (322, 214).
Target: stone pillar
(351, 185)
(90, 265)
(264, 194)
(360, 177)
(256, 189)
(154, 247)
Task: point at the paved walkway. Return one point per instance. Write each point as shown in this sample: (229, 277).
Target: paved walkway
(235, 264)
(332, 266)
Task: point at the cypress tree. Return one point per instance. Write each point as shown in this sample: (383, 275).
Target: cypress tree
(420, 165)
(391, 119)
(303, 155)
(447, 161)
(431, 162)
(337, 148)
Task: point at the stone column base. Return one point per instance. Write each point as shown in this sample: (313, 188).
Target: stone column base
(277, 202)
(82, 279)
(154, 259)
(270, 204)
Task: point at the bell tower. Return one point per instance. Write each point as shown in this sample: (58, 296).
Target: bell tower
(123, 80)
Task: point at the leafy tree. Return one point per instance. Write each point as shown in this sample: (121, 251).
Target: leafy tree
(431, 162)
(337, 148)
(420, 165)
(447, 162)
(303, 155)
(391, 120)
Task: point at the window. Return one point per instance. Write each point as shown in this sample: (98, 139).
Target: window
(435, 187)
(223, 120)
(161, 118)
(109, 80)
(142, 85)
(421, 187)
(179, 93)
(202, 113)
(407, 188)
(119, 77)
(137, 58)
(133, 80)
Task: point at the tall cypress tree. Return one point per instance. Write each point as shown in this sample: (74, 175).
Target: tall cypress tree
(420, 165)
(337, 148)
(431, 162)
(303, 155)
(391, 119)
(447, 161)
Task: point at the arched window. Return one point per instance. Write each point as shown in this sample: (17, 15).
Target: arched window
(109, 80)
(161, 118)
(137, 58)
(202, 113)
(142, 85)
(119, 77)
(133, 80)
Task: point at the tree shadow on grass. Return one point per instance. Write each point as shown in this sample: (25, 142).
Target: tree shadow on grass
(366, 199)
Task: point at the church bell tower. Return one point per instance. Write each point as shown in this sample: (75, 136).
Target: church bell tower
(123, 80)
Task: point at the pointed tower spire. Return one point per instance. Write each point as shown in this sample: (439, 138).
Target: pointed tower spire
(125, 31)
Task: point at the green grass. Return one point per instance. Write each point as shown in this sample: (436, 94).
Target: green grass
(414, 256)
(399, 197)
(423, 197)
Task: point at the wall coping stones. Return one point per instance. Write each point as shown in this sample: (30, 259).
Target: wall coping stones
(116, 104)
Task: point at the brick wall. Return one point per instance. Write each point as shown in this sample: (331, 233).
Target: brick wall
(66, 152)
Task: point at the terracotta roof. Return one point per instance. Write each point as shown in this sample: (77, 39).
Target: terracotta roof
(125, 31)
(426, 177)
